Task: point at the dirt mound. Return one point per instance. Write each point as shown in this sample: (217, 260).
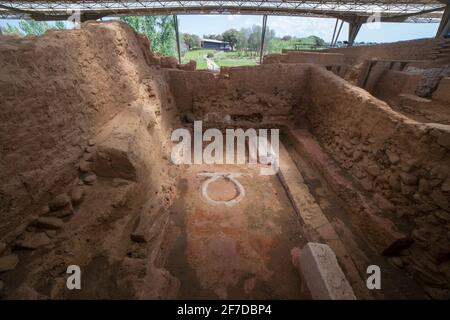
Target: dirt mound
(70, 99)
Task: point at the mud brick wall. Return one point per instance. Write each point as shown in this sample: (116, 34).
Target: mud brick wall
(56, 92)
(327, 59)
(246, 95)
(392, 83)
(401, 164)
(421, 49)
(442, 93)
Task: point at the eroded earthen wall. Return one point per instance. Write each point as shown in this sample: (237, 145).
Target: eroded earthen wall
(62, 89)
(56, 91)
(422, 49)
(263, 95)
(86, 120)
(402, 165)
(322, 58)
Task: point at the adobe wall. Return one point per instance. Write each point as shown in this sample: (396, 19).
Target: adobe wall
(58, 91)
(391, 83)
(245, 95)
(442, 93)
(401, 164)
(326, 59)
(399, 89)
(86, 121)
(421, 49)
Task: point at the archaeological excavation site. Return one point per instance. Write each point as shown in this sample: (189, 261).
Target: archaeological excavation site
(353, 180)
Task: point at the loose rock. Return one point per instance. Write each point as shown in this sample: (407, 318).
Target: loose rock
(408, 190)
(50, 233)
(90, 179)
(84, 166)
(357, 155)
(88, 157)
(373, 170)
(442, 215)
(60, 201)
(43, 210)
(33, 241)
(89, 149)
(366, 184)
(408, 179)
(8, 262)
(64, 212)
(392, 156)
(118, 182)
(49, 223)
(394, 183)
(404, 166)
(76, 195)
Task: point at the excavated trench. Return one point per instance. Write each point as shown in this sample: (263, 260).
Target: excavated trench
(235, 251)
(93, 183)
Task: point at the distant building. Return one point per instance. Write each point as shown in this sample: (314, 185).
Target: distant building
(215, 44)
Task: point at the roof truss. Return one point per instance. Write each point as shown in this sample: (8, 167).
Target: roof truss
(347, 10)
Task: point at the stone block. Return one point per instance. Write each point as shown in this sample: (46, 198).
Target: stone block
(322, 273)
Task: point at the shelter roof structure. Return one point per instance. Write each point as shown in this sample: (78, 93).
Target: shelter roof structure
(346, 10)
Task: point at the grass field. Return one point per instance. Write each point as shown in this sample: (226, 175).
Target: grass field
(233, 59)
(198, 56)
(222, 59)
(235, 62)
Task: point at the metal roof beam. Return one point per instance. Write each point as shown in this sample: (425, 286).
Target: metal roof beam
(348, 10)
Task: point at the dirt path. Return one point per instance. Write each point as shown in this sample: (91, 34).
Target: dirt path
(211, 65)
(240, 251)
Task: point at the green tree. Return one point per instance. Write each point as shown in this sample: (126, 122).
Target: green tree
(33, 28)
(232, 36)
(242, 41)
(159, 30)
(191, 40)
(254, 37)
(167, 38)
(9, 29)
(213, 36)
(60, 25)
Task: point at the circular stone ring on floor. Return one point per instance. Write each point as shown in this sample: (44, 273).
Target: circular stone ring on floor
(230, 176)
